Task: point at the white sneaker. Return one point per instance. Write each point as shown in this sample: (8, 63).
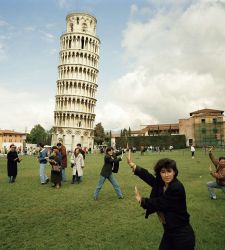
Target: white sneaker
(213, 197)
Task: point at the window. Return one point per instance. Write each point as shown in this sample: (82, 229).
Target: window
(82, 42)
(214, 120)
(71, 27)
(215, 130)
(84, 27)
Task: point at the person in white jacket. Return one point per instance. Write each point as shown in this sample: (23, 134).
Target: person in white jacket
(77, 163)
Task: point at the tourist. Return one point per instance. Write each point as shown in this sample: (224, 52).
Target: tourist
(106, 173)
(78, 165)
(55, 159)
(81, 150)
(83, 153)
(219, 175)
(42, 158)
(171, 148)
(62, 151)
(192, 152)
(168, 200)
(12, 159)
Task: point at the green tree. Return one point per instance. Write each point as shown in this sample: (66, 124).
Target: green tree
(129, 132)
(37, 135)
(49, 136)
(125, 132)
(108, 137)
(99, 134)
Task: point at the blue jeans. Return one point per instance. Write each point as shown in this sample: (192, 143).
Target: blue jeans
(63, 174)
(211, 185)
(113, 181)
(43, 177)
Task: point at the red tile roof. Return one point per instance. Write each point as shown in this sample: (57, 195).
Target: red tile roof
(207, 111)
(11, 132)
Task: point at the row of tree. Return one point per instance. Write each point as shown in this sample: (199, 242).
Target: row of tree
(39, 134)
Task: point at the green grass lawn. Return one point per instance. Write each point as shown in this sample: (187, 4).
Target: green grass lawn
(34, 216)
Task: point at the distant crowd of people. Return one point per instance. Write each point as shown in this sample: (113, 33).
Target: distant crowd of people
(57, 158)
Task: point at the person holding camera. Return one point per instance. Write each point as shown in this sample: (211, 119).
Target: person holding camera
(106, 173)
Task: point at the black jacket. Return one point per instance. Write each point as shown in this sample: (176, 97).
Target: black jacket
(11, 163)
(109, 161)
(115, 168)
(172, 202)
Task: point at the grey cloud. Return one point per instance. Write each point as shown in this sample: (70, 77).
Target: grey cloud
(27, 107)
(177, 61)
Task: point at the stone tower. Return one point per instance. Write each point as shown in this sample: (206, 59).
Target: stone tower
(75, 100)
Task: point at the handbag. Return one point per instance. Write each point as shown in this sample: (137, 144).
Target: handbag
(56, 168)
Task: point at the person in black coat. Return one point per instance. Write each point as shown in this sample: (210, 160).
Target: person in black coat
(168, 200)
(55, 160)
(12, 159)
(106, 173)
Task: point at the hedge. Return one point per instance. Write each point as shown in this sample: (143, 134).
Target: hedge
(163, 141)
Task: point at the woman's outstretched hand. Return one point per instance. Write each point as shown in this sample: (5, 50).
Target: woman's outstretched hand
(137, 194)
(129, 161)
(210, 169)
(211, 149)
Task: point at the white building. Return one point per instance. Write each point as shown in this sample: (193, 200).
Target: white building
(75, 103)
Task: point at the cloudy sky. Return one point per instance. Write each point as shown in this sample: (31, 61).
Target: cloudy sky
(159, 60)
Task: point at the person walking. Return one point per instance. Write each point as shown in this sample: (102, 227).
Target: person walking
(42, 158)
(192, 152)
(106, 173)
(78, 165)
(168, 200)
(12, 159)
(219, 175)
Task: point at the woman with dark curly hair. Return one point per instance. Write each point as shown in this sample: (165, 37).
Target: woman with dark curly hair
(168, 200)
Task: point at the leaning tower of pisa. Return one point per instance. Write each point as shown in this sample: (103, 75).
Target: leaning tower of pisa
(75, 99)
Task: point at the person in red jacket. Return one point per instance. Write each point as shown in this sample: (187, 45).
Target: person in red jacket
(219, 175)
(62, 151)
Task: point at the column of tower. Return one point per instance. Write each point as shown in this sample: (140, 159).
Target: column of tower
(75, 100)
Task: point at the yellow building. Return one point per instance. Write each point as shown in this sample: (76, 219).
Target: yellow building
(7, 137)
(160, 129)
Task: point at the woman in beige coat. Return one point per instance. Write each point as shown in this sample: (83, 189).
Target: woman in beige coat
(77, 161)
